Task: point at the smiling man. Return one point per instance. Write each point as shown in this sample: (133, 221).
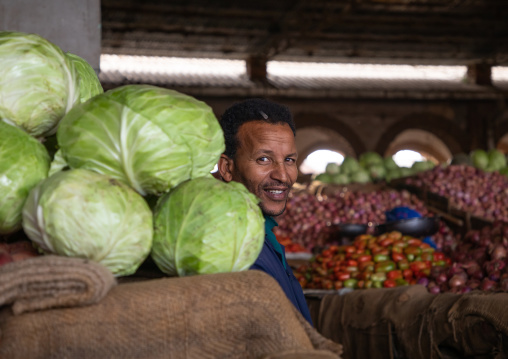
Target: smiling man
(261, 154)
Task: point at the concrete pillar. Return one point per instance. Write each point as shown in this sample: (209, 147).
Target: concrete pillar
(73, 25)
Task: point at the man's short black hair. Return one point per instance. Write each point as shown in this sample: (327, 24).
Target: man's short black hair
(255, 109)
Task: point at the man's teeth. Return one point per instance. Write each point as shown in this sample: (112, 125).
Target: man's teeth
(275, 191)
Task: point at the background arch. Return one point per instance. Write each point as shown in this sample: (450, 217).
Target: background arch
(455, 139)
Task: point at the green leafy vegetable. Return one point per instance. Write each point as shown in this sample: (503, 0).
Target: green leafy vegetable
(38, 83)
(24, 162)
(207, 226)
(148, 137)
(80, 213)
(89, 84)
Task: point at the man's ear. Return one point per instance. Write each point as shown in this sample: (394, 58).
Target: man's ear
(225, 167)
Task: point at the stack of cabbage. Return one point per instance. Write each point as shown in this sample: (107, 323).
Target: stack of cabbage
(114, 148)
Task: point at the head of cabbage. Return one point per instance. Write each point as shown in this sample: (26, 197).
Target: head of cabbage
(80, 213)
(39, 83)
(89, 84)
(24, 162)
(149, 137)
(206, 226)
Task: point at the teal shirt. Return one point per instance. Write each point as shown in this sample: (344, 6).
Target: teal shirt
(269, 224)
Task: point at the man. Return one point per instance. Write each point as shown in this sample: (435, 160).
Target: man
(261, 154)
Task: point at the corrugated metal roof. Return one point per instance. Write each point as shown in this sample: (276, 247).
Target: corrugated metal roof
(303, 86)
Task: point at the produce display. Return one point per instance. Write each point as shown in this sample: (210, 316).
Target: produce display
(479, 261)
(311, 220)
(116, 158)
(488, 161)
(207, 226)
(370, 167)
(387, 260)
(290, 246)
(483, 194)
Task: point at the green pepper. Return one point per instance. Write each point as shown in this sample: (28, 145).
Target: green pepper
(378, 277)
(401, 282)
(350, 283)
(385, 266)
(380, 257)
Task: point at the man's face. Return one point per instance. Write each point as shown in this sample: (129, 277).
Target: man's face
(265, 163)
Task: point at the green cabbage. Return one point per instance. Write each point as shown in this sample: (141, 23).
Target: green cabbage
(206, 226)
(80, 213)
(89, 84)
(24, 162)
(332, 168)
(38, 83)
(480, 159)
(497, 160)
(148, 137)
(349, 165)
(370, 158)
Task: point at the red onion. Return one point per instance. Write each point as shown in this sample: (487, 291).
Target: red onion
(487, 284)
(456, 281)
(498, 252)
(435, 290)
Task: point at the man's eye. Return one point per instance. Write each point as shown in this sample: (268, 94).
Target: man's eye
(263, 159)
(291, 160)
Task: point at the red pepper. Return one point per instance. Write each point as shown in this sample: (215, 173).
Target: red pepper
(364, 258)
(349, 249)
(338, 284)
(389, 283)
(427, 257)
(385, 242)
(407, 274)
(414, 242)
(351, 263)
(417, 266)
(416, 251)
(367, 266)
(394, 274)
(342, 276)
(397, 257)
(439, 256)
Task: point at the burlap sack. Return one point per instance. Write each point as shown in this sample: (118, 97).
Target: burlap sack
(50, 281)
(409, 322)
(233, 315)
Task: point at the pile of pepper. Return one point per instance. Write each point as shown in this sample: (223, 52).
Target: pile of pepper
(388, 260)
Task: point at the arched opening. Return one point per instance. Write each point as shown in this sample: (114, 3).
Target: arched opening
(434, 136)
(428, 145)
(317, 145)
(406, 158)
(316, 161)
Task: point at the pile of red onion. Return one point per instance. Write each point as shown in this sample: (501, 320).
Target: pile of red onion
(482, 194)
(479, 261)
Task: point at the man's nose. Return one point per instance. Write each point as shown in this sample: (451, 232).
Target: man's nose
(280, 173)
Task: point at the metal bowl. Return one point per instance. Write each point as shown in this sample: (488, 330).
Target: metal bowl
(351, 230)
(416, 227)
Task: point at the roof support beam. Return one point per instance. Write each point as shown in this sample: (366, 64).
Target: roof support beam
(479, 74)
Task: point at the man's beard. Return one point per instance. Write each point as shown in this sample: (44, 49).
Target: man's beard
(271, 214)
